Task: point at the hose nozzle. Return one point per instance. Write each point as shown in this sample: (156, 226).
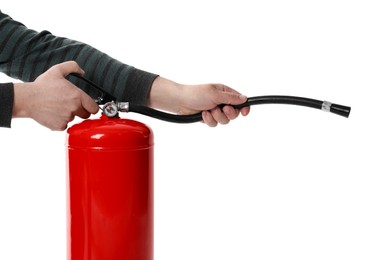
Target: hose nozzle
(336, 109)
(340, 110)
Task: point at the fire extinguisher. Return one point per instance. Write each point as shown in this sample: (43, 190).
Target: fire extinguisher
(110, 190)
(110, 177)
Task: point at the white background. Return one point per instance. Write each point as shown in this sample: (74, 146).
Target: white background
(285, 182)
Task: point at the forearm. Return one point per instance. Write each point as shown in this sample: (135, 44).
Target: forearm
(166, 95)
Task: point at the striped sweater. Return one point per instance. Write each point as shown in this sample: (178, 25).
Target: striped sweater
(25, 54)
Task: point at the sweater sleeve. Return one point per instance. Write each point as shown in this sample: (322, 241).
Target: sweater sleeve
(6, 104)
(25, 54)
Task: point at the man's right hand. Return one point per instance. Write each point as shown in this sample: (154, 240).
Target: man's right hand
(52, 100)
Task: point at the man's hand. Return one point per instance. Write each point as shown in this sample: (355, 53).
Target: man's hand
(52, 100)
(190, 99)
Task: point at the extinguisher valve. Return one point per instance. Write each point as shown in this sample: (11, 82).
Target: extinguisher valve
(111, 109)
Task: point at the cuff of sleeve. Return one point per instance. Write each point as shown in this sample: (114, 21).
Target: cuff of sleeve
(138, 86)
(6, 104)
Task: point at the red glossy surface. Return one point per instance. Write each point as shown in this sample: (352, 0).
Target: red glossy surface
(110, 190)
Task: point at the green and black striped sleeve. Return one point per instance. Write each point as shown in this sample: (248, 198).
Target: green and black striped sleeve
(25, 54)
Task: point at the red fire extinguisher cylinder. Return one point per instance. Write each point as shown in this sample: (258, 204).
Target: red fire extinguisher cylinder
(110, 190)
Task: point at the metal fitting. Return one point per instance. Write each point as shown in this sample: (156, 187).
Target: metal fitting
(111, 109)
(326, 106)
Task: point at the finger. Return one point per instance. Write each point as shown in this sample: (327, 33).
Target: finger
(58, 126)
(82, 113)
(245, 110)
(230, 112)
(79, 111)
(219, 116)
(88, 103)
(68, 67)
(208, 119)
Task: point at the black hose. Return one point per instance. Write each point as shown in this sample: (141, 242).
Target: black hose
(105, 97)
(291, 100)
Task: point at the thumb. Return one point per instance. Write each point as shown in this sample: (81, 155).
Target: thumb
(229, 96)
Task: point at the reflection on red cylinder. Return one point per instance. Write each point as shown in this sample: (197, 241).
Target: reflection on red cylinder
(110, 190)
